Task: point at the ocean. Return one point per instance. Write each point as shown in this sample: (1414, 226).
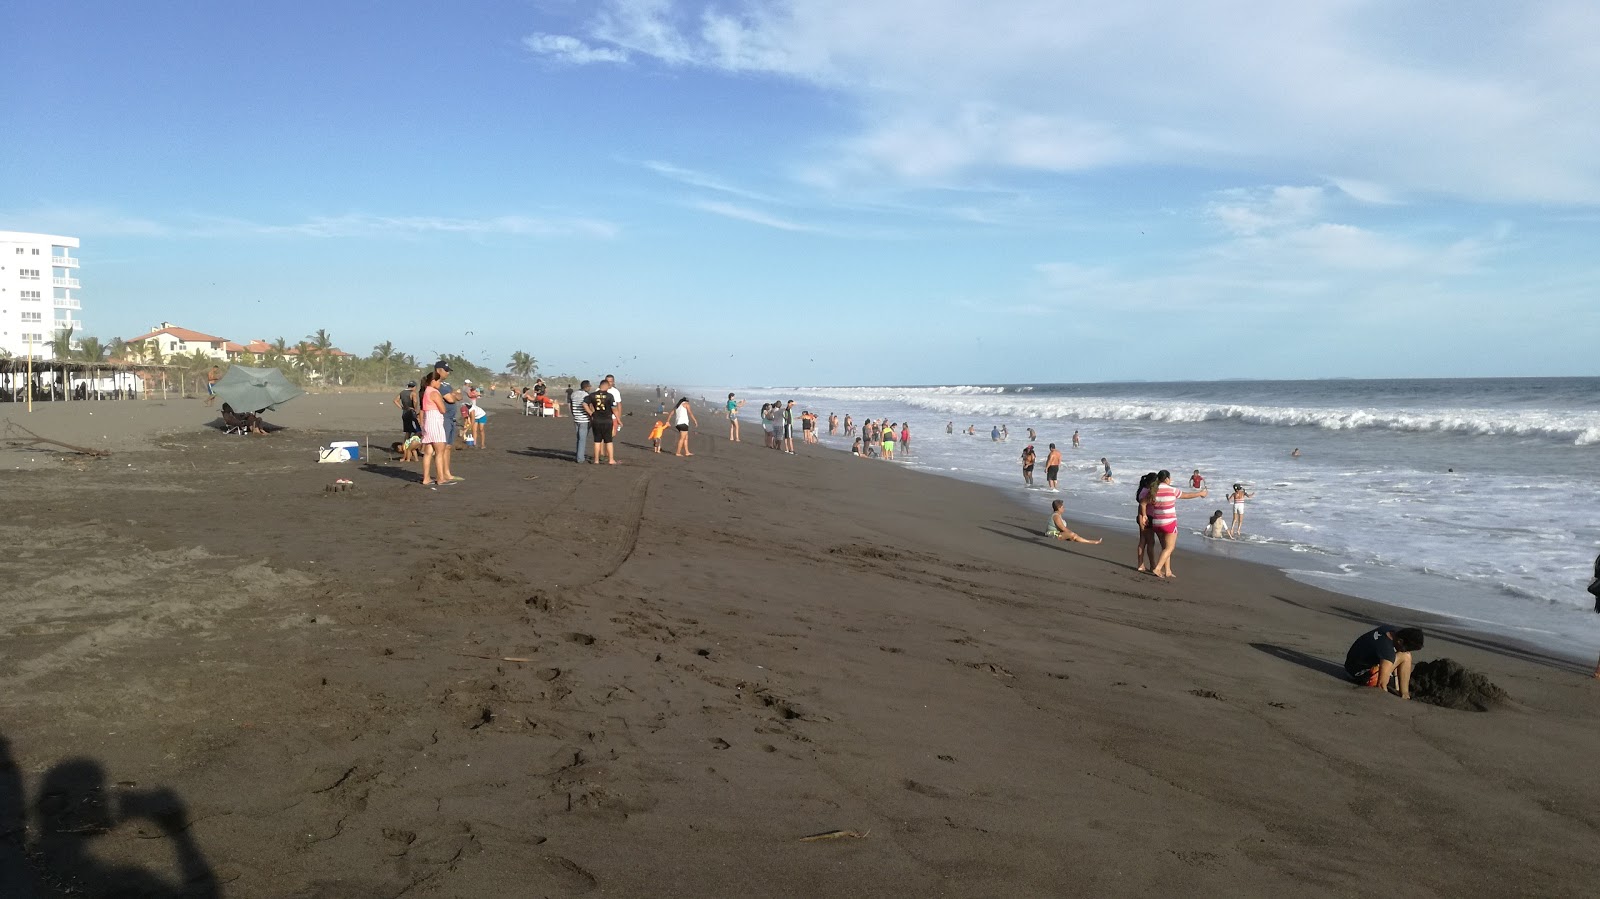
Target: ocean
(1473, 498)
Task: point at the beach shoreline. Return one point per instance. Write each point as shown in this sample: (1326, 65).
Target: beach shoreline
(567, 679)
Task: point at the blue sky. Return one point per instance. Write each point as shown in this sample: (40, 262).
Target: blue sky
(831, 191)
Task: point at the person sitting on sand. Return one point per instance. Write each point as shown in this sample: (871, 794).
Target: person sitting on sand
(855, 448)
(1057, 526)
(1381, 657)
(1217, 528)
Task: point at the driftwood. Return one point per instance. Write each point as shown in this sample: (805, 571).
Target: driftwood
(35, 440)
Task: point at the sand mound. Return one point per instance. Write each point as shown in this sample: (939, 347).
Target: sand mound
(1449, 684)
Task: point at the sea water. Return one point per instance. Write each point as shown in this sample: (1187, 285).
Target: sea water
(1473, 498)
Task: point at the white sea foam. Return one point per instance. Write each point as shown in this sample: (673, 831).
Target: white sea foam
(1506, 538)
(1578, 428)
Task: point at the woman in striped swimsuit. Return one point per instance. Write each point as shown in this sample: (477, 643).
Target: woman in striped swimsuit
(1159, 512)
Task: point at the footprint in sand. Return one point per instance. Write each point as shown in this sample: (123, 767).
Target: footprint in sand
(569, 875)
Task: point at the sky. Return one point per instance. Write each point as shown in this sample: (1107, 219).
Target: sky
(814, 192)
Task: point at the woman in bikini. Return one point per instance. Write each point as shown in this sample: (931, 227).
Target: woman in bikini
(1238, 497)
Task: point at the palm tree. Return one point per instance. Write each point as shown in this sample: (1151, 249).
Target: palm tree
(305, 350)
(61, 344)
(90, 350)
(384, 354)
(523, 365)
(117, 350)
(322, 342)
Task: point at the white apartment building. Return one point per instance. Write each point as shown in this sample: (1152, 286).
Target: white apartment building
(38, 290)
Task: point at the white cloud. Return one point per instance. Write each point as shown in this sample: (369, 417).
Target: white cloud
(1247, 212)
(570, 50)
(1491, 106)
(754, 216)
(104, 223)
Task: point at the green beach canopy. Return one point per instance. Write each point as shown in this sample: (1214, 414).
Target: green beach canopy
(255, 389)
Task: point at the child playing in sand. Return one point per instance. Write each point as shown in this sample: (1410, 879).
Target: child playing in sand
(1057, 526)
(656, 430)
(408, 448)
(1382, 658)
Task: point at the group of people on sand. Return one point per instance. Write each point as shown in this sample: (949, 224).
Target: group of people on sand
(432, 414)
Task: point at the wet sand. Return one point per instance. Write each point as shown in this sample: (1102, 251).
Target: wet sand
(653, 679)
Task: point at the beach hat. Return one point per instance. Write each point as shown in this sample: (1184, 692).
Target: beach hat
(411, 383)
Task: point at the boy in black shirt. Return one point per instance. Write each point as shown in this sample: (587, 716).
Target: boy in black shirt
(1382, 656)
(598, 405)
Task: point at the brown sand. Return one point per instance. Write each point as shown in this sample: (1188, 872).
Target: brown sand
(212, 670)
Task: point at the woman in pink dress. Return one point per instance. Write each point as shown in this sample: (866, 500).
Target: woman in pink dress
(432, 406)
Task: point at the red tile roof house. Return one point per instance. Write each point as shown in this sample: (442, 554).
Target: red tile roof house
(175, 341)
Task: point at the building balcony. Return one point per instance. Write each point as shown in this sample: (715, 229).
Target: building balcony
(65, 282)
(66, 303)
(64, 261)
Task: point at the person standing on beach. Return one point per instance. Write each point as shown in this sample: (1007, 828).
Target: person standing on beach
(1052, 468)
(1028, 459)
(580, 416)
(1237, 497)
(905, 438)
(1160, 510)
(610, 385)
(682, 417)
(1382, 658)
(406, 400)
(788, 427)
(1145, 555)
(433, 435)
(887, 438)
(601, 414)
(1057, 526)
(733, 418)
(451, 419)
(849, 426)
(1075, 440)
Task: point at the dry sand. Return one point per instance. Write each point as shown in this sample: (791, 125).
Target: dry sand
(216, 677)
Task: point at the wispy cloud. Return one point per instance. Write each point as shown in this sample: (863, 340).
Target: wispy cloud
(101, 222)
(754, 216)
(1397, 101)
(566, 49)
(701, 179)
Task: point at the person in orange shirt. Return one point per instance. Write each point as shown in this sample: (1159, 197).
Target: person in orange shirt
(656, 431)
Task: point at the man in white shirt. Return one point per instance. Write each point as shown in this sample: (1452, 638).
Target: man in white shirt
(609, 385)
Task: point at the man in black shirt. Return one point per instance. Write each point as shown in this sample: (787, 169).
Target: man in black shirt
(600, 407)
(407, 401)
(1382, 656)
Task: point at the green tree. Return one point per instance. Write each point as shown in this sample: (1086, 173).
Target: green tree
(523, 365)
(321, 343)
(385, 354)
(61, 344)
(117, 350)
(90, 350)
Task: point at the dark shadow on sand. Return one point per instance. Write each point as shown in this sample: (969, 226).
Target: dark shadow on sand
(539, 452)
(1302, 659)
(1473, 641)
(1047, 543)
(397, 470)
(53, 854)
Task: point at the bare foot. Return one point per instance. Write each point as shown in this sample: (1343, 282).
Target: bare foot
(688, 454)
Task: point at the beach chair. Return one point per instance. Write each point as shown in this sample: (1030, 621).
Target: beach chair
(234, 423)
